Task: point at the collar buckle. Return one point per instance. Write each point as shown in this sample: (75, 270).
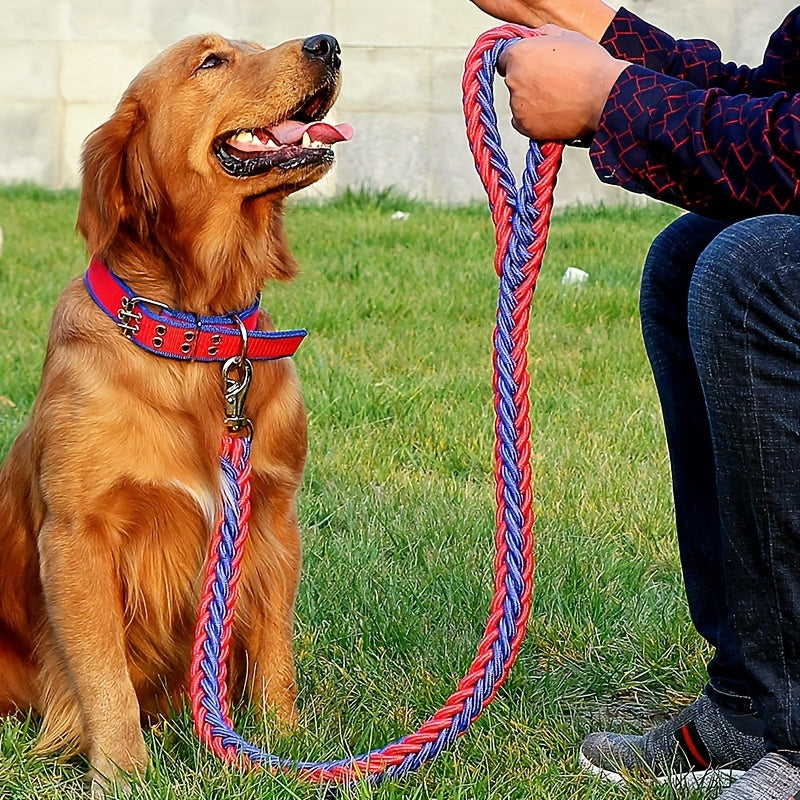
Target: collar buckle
(129, 318)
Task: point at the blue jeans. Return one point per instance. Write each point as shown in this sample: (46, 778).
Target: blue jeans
(720, 309)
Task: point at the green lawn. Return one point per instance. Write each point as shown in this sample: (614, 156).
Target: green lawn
(397, 507)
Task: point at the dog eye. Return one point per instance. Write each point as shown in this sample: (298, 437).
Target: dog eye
(213, 61)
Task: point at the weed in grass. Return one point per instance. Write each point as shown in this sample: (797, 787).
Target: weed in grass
(397, 504)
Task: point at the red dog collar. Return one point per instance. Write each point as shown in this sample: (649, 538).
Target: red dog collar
(181, 335)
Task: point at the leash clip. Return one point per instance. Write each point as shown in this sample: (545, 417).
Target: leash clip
(237, 374)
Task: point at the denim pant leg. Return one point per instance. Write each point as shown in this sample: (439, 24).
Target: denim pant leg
(666, 279)
(744, 328)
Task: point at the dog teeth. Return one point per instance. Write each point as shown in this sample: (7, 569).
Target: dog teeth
(245, 137)
(308, 142)
(253, 139)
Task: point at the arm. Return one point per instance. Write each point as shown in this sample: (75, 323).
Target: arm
(699, 61)
(724, 156)
(589, 17)
(628, 37)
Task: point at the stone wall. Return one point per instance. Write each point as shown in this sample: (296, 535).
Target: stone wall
(64, 63)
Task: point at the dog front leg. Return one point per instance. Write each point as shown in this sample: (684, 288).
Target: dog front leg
(271, 676)
(84, 609)
(268, 606)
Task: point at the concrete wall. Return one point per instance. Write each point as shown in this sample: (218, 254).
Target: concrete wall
(64, 63)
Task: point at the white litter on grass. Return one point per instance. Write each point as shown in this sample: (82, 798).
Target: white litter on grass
(574, 277)
(400, 216)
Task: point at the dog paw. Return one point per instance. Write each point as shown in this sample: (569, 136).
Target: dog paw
(280, 713)
(104, 788)
(110, 782)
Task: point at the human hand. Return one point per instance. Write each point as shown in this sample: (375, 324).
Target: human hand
(559, 83)
(532, 13)
(589, 17)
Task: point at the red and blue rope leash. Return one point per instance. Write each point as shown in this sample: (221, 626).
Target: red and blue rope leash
(521, 217)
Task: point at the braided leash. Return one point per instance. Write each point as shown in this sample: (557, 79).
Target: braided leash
(521, 218)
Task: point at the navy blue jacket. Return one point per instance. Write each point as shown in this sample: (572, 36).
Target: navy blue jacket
(712, 137)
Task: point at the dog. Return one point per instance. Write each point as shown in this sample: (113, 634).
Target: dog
(109, 494)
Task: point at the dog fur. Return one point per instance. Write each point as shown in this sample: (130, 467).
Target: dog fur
(109, 493)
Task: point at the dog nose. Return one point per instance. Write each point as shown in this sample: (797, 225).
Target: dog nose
(323, 47)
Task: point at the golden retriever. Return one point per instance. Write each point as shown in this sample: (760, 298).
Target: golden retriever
(110, 492)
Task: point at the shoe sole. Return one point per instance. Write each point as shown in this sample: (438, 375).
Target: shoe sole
(719, 778)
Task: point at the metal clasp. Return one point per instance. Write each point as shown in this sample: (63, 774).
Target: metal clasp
(237, 373)
(237, 376)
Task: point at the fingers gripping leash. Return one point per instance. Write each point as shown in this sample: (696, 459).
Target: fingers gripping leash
(521, 217)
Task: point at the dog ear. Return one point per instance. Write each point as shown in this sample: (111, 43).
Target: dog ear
(117, 185)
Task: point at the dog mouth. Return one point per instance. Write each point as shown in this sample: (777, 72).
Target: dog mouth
(301, 139)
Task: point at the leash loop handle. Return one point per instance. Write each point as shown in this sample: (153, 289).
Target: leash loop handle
(520, 211)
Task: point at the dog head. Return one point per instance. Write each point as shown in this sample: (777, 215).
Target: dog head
(204, 145)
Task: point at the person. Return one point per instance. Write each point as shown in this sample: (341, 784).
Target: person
(720, 312)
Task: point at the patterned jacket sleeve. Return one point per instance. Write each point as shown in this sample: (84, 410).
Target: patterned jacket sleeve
(684, 127)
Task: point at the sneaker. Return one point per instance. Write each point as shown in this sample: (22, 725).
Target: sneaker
(704, 742)
(772, 778)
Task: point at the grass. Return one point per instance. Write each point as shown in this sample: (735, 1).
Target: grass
(397, 505)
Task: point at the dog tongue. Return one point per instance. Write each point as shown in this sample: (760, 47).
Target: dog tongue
(291, 132)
